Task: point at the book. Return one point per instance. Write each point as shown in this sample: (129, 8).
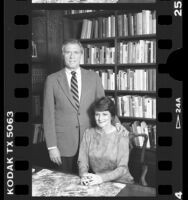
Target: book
(152, 135)
(34, 50)
(141, 51)
(94, 54)
(137, 106)
(38, 135)
(128, 24)
(107, 78)
(149, 130)
(39, 36)
(137, 79)
(38, 77)
(144, 128)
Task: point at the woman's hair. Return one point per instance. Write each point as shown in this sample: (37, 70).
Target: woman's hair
(104, 104)
(72, 41)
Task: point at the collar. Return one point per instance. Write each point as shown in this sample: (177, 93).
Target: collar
(101, 131)
(68, 71)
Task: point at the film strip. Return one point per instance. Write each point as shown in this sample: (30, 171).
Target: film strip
(17, 110)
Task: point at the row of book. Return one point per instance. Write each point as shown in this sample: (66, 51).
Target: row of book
(94, 54)
(72, 12)
(136, 106)
(142, 51)
(137, 79)
(140, 23)
(38, 78)
(130, 24)
(38, 135)
(102, 27)
(107, 78)
(137, 127)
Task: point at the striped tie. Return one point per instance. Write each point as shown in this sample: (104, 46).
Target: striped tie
(74, 88)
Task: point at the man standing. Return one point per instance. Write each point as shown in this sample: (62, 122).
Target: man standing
(68, 95)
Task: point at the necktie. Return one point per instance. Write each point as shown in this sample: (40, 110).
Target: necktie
(74, 88)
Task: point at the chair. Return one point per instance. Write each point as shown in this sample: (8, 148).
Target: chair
(137, 165)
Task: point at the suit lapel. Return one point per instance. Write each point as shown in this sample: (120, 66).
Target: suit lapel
(85, 81)
(62, 79)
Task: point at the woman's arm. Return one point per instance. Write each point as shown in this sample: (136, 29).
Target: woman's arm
(122, 161)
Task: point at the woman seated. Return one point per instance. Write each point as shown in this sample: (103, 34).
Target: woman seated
(102, 150)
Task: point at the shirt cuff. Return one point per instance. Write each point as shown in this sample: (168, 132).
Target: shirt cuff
(49, 148)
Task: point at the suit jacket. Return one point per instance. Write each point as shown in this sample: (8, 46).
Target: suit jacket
(62, 122)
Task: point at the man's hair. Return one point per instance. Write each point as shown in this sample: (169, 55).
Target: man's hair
(72, 41)
(104, 104)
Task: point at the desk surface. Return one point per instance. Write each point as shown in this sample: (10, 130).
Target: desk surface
(51, 177)
(137, 190)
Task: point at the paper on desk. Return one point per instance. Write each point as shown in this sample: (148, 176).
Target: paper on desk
(74, 1)
(50, 183)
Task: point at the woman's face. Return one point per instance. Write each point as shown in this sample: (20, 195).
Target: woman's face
(103, 118)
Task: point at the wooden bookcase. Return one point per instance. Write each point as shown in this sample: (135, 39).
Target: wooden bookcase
(59, 26)
(75, 21)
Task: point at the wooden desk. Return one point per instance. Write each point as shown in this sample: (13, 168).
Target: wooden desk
(136, 1)
(129, 190)
(137, 190)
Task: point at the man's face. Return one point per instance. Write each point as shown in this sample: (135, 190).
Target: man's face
(72, 55)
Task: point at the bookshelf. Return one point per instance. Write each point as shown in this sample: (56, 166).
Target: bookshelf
(46, 52)
(103, 34)
(39, 72)
(121, 47)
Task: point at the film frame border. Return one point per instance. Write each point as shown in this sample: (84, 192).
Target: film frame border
(17, 69)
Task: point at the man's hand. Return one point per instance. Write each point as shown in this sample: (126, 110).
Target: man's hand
(121, 129)
(55, 156)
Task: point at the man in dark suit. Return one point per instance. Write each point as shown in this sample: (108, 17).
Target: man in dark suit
(68, 95)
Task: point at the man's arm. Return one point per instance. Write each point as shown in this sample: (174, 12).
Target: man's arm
(48, 114)
(49, 122)
(99, 88)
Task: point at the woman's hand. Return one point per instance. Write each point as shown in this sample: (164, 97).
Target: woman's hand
(55, 156)
(121, 129)
(91, 179)
(85, 179)
(95, 179)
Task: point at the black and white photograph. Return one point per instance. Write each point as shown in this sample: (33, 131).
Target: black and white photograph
(94, 102)
(93, 99)
(93, 1)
